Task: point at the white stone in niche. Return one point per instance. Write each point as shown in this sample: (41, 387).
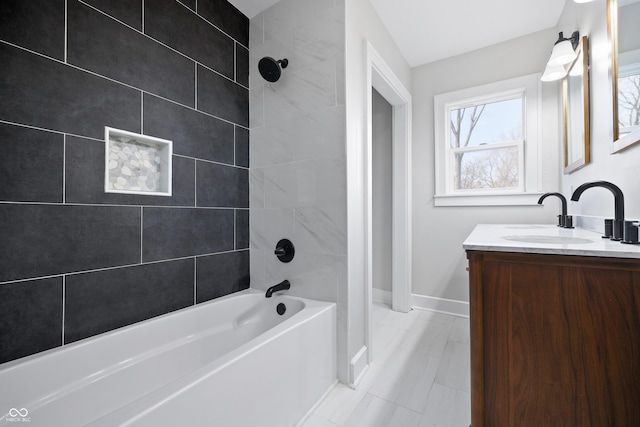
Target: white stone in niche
(137, 164)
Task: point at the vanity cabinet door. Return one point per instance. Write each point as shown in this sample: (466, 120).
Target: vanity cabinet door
(555, 340)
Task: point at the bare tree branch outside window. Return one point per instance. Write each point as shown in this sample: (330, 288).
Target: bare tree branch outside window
(629, 102)
(493, 167)
(456, 132)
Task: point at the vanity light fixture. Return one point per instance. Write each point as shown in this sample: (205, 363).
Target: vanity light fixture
(582, 1)
(553, 73)
(564, 50)
(563, 54)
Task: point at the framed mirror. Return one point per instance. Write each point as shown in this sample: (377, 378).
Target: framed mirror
(575, 110)
(624, 38)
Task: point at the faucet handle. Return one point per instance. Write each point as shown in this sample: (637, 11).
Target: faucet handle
(285, 251)
(568, 221)
(631, 232)
(608, 229)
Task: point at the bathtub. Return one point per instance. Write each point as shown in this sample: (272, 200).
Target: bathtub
(230, 362)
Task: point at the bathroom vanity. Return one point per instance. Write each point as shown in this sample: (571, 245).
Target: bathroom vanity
(555, 328)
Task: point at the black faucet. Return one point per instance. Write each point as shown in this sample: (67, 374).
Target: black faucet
(616, 232)
(564, 220)
(284, 285)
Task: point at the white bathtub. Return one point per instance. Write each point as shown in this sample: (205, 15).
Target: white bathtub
(230, 362)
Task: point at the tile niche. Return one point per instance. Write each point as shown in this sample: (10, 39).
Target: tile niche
(137, 164)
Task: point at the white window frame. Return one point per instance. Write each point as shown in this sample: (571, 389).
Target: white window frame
(529, 149)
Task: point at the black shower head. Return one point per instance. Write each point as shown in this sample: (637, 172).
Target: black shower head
(270, 68)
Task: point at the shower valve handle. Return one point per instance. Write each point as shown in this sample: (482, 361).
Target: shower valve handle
(285, 250)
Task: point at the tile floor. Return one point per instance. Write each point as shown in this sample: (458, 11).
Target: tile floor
(419, 376)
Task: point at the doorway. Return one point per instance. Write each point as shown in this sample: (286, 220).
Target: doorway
(381, 196)
(381, 78)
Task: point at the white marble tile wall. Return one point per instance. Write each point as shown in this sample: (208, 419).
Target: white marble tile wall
(297, 180)
(297, 149)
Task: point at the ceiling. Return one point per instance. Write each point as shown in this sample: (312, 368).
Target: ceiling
(429, 30)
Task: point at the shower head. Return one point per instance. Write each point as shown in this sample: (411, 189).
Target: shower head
(270, 68)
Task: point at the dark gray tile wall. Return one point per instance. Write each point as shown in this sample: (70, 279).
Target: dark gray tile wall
(30, 164)
(100, 301)
(75, 261)
(199, 135)
(215, 49)
(35, 24)
(221, 274)
(38, 91)
(242, 65)
(40, 303)
(98, 43)
(212, 87)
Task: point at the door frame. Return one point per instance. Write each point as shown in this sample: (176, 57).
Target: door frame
(380, 76)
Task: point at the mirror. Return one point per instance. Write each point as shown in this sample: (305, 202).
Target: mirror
(575, 110)
(624, 38)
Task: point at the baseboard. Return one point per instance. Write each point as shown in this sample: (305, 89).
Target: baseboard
(358, 367)
(441, 305)
(380, 295)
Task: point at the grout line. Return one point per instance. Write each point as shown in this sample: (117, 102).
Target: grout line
(195, 182)
(142, 26)
(195, 279)
(235, 62)
(111, 205)
(50, 130)
(142, 112)
(141, 233)
(235, 145)
(231, 165)
(64, 303)
(195, 91)
(66, 29)
(64, 169)
(95, 270)
(235, 229)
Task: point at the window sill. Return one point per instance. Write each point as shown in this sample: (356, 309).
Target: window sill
(510, 199)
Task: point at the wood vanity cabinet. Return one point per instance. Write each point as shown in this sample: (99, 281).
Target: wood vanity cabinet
(555, 340)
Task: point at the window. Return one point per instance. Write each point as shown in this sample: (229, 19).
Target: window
(629, 97)
(486, 144)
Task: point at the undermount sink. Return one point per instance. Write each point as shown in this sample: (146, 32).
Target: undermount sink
(563, 240)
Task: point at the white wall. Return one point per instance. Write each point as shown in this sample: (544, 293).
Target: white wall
(297, 153)
(438, 232)
(621, 168)
(381, 140)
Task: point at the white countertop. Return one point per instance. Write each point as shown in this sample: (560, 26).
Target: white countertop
(546, 239)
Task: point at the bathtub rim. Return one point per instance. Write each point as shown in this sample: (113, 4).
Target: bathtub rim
(33, 358)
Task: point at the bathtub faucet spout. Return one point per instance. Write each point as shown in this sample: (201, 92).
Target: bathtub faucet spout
(284, 285)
